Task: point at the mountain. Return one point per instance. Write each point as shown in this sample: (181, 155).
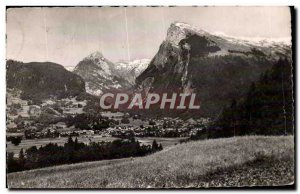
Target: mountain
(42, 96)
(258, 41)
(69, 68)
(42, 79)
(216, 68)
(100, 74)
(132, 69)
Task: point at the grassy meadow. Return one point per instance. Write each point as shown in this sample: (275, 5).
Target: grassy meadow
(238, 161)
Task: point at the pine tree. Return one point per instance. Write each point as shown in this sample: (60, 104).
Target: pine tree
(250, 103)
(233, 115)
(267, 109)
(154, 146)
(76, 144)
(160, 147)
(70, 140)
(22, 159)
(21, 154)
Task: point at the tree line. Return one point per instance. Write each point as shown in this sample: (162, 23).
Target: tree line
(267, 109)
(73, 152)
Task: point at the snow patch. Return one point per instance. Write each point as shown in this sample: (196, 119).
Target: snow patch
(70, 68)
(132, 69)
(256, 41)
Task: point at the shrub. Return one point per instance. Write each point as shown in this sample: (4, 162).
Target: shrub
(125, 121)
(16, 140)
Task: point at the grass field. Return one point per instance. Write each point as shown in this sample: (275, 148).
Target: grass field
(239, 161)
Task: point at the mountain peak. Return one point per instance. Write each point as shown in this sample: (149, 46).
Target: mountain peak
(180, 30)
(181, 25)
(95, 55)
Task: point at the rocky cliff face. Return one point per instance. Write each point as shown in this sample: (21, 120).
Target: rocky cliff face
(100, 74)
(215, 68)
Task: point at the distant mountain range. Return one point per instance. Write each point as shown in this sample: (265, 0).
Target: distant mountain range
(189, 60)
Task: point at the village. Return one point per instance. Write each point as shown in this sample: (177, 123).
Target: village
(121, 127)
(54, 118)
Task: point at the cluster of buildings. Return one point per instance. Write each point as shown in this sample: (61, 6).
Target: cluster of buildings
(31, 120)
(165, 127)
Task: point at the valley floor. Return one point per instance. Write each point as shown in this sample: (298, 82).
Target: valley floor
(238, 161)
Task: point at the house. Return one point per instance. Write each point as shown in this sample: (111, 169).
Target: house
(34, 110)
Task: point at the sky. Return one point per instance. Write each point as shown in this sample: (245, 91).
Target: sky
(66, 35)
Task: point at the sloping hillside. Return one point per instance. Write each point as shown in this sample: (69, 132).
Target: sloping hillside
(42, 79)
(242, 161)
